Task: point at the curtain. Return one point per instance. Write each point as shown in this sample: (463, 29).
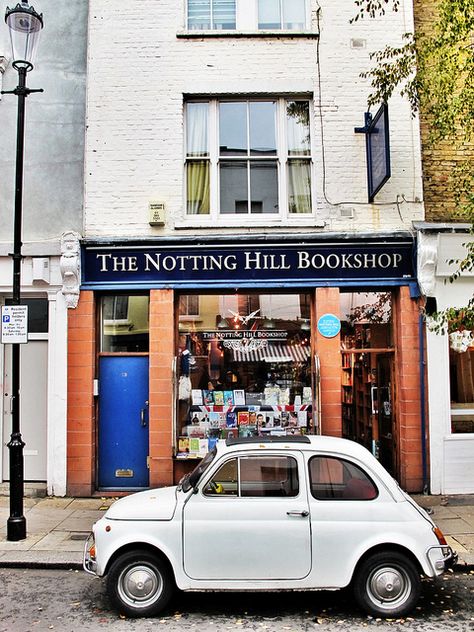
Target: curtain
(299, 186)
(197, 187)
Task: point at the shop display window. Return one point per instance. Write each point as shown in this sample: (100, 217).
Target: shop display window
(124, 323)
(461, 368)
(367, 372)
(244, 368)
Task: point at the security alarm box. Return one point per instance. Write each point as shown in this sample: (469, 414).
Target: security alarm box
(156, 213)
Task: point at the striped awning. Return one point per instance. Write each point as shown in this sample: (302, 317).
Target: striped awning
(273, 353)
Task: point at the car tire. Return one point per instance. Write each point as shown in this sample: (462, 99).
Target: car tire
(139, 584)
(387, 585)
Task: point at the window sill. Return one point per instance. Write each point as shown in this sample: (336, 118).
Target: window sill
(208, 223)
(195, 34)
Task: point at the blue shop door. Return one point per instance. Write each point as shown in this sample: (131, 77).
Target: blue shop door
(123, 422)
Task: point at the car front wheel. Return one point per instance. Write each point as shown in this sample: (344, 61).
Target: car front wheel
(387, 585)
(139, 584)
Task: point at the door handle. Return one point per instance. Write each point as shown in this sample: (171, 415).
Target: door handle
(301, 514)
(143, 419)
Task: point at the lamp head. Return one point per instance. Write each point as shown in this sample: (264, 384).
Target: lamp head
(25, 25)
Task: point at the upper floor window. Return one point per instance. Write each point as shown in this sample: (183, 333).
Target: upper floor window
(281, 14)
(207, 15)
(248, 157)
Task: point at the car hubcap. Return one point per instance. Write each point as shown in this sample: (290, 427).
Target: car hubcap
(139, 586)
(389, 585)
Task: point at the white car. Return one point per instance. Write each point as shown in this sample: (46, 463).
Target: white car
(273, 513)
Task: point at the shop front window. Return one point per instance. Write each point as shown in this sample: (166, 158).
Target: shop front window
(461, 369)
(124, 323)
(244, 369)
(367, 372)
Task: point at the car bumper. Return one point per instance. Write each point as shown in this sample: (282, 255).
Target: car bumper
(445, 561)
(89, 562)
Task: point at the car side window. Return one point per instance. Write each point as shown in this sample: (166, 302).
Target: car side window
(332, 478)
(259, 476)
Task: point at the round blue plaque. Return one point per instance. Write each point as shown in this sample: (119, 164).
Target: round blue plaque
(329, 325)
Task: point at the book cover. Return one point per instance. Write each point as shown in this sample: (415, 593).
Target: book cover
(230, 433)
(218, 398)
(208, 398)
(196, 397)
(183, 445)
(231, 419)
(239, 397)
(243, 417)
(248, 431)
(228, 398)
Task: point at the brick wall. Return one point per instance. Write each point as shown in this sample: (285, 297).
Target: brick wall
(138, 78)
(407, 398)
(439, 159)
(81, 439)
(161, 387)
(329, 352)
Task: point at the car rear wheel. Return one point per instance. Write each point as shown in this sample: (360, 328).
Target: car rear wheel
(387, 585)
(139, 584)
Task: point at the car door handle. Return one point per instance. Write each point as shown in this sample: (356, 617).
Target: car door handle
(301, 514)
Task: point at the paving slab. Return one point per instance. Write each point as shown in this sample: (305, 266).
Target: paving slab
(454, 526)
(58, 541)
(81, 520)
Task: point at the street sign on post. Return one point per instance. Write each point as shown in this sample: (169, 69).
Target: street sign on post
(14, 324)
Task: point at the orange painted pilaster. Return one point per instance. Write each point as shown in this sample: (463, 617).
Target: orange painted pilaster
(408, 396)
(329, 352)
(81, 408)
(161, 387)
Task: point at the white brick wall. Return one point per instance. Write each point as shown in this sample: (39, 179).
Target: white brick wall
(139, 70)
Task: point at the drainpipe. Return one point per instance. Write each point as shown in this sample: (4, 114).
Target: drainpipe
(421, 340)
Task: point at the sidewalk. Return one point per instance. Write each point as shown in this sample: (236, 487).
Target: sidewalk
(58, 527)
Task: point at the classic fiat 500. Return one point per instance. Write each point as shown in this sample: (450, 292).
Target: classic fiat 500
(281, 513)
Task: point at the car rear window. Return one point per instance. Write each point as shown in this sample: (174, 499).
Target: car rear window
(333, 478)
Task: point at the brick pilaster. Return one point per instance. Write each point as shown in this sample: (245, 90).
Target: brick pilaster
(329, 351)
(81, 409)
(161, 386)
(408, 396)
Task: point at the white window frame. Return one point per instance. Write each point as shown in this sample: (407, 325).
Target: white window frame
(246, 19)
(283, 217)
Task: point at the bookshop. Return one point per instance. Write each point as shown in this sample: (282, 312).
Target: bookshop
(174, 346)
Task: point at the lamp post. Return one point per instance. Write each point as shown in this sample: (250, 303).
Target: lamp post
(25, 25)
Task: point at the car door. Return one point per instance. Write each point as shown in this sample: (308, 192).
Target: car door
(249, 520)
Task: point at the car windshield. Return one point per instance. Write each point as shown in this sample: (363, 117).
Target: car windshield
(189, 481)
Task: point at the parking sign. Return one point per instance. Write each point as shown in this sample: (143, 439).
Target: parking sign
(14, 324)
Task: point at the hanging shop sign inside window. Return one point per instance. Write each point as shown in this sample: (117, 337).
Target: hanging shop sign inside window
(299, 264)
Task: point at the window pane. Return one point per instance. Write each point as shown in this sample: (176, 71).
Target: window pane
(124, 323)
(336, 479)
(233, 187)
(38, 309)
(264, 187)
(197, 129)
(199, 14)
(461, 368)
(297, 116)
(299, 186)
(233, 128)
(224, 481)
(268, 476)
(262, 128)
(294, 14)
(224, 14)
(197, 183)
(269, 14)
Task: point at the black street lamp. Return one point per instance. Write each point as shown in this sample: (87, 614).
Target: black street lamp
(25, 25)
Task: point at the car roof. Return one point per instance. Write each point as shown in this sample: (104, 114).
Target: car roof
(314, 443)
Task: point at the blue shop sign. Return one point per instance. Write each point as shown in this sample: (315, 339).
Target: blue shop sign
(246, 265)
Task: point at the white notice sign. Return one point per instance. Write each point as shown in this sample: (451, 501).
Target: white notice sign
(14, 324)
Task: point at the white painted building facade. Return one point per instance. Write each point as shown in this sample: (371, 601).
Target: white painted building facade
(450, 360)
(52, 225)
